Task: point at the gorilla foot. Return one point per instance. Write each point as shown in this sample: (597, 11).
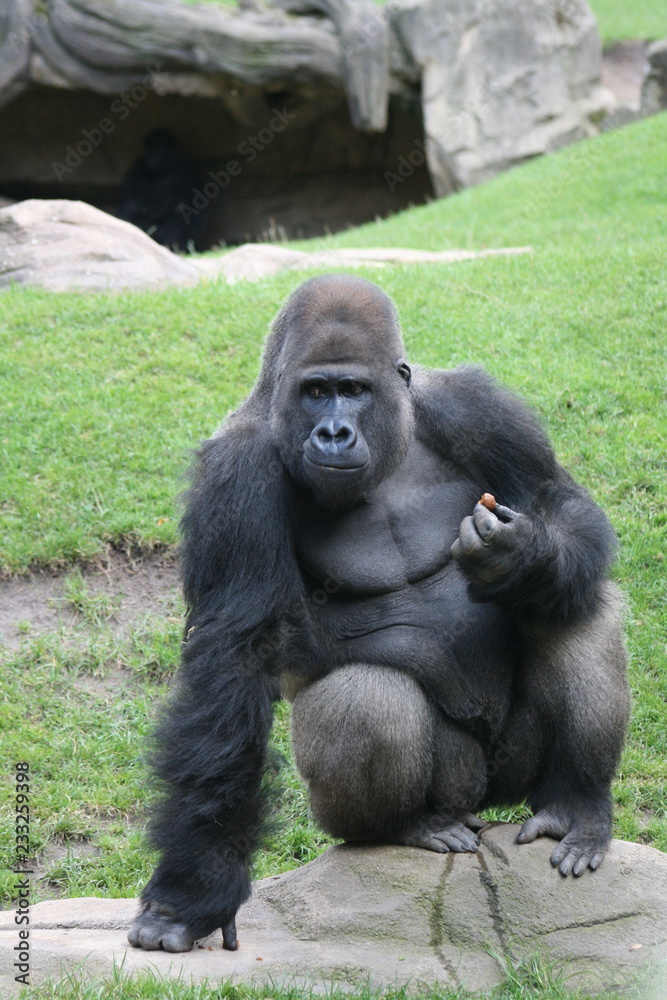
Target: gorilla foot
(157, 926)
(442, 833)
(583, 844)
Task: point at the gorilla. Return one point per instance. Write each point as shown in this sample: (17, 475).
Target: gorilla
(441, 658)
(154, 187)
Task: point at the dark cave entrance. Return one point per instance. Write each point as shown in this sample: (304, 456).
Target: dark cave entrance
(296, 169)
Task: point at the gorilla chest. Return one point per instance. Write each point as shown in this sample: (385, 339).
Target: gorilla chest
(384, 589)
(399, 535)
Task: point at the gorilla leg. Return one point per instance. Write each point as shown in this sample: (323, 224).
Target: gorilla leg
(382, 764)
(569, 721)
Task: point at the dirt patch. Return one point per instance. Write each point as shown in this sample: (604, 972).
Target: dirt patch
(624, 67)
(127, 589)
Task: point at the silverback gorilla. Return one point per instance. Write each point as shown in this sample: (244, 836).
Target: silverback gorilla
(441, 658)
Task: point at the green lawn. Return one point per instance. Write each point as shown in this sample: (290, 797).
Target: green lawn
(616, 18)
(641, 19)
(103, 396)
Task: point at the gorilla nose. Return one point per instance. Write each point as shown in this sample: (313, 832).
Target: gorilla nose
(332, 436)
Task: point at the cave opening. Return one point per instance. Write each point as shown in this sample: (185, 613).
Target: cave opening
(290, 166)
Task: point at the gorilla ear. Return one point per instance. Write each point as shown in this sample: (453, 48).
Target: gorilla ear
(403, 369)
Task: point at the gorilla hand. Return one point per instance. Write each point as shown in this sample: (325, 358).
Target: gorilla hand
(491, 544)
(157, 926)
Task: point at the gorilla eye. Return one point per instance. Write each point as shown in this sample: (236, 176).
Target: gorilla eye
(353, 388)
(315, 391)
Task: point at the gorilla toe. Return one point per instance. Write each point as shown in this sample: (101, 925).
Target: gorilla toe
(441, 834)
(582, 844)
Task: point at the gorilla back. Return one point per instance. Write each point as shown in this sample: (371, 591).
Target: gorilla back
(441, 657)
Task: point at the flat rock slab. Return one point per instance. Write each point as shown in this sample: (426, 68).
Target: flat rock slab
(391, 916)
(68, 246)
(255, 261)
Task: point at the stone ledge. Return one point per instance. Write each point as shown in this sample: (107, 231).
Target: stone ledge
(390, 916)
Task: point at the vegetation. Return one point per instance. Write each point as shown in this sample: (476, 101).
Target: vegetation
(528, 981)
(616, 19)
(103, 396)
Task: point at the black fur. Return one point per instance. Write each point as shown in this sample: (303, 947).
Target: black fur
(160, 181)
(310, 564)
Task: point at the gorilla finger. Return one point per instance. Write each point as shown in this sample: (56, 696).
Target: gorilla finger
(505, 514)
(177, 938)
(150, 936)
(596, 861)
(133, 934)
(469, 538)
(486, 523)
(462, 845)
(229, 941)
(437, 845)
(460, 839)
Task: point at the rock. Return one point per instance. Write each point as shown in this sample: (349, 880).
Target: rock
(364, 41)
(254, 261)
(493, 82)
(64, 245)
(502, 82)
(624, 69)
(68, 245)
(654, 91)
(393, 915)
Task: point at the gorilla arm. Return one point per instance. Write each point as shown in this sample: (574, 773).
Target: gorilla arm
(544, 564)
(544, 551)
(240, 579)
(543, 554)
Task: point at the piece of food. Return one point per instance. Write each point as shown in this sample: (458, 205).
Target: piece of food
(488, 500)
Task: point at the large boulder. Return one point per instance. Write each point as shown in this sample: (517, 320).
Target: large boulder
(394, 915)
(502, 82)
(63, 245)
(654, 91)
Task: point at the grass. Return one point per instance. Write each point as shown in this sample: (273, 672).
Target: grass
(529, 980)
(616, 19)
(79, 710)
(103, 396)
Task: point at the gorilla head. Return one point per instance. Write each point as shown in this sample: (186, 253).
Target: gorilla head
(341, 413)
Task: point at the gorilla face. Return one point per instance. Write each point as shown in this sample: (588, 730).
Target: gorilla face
(341, 410)
(342, 442)
(336, 401)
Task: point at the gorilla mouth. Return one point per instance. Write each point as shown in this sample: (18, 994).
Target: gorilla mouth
(331, 467)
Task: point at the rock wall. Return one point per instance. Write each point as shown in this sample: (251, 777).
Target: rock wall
(331, 112)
